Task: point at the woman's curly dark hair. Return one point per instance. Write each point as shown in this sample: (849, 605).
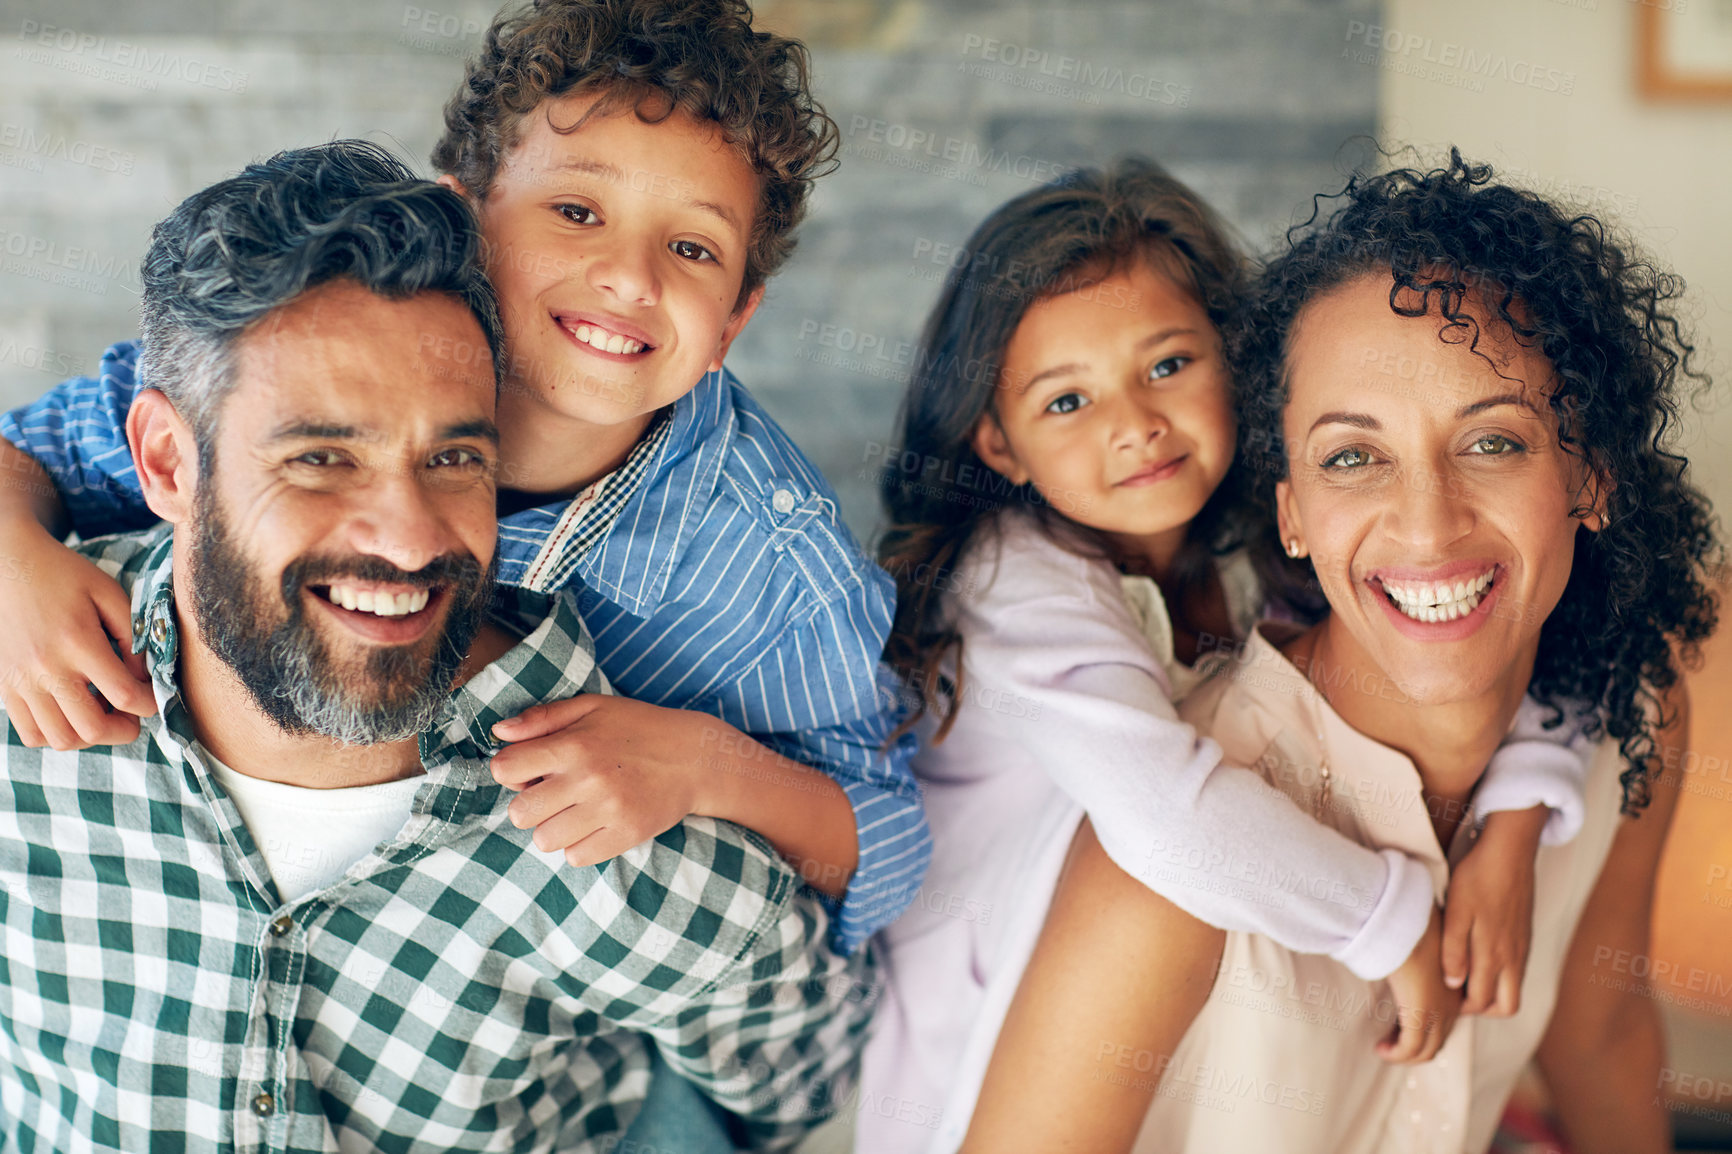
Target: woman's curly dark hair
(1638, 599)
(698, 56)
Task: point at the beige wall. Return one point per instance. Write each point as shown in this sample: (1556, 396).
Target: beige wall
(1579, 129)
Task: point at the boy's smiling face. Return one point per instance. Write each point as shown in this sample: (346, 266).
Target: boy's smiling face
(618, 252)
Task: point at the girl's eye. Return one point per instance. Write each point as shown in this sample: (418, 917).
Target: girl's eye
(457, 458)
(577, 213)
(1347, 459)
(1068, 403)
(691, 250)
(1167, 367)
(1496, 445)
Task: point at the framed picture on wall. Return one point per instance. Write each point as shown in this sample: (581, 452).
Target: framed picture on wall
(1684, 49)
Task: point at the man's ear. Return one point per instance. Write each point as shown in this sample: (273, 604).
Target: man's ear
(165, 453)
(735, 324)
(1291, 528)
(993, 447)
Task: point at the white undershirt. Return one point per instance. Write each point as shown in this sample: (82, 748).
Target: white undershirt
(310, 837)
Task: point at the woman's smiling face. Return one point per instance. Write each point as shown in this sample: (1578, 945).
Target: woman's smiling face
(1427, 484)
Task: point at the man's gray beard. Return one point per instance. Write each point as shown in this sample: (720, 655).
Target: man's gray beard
(288, 670)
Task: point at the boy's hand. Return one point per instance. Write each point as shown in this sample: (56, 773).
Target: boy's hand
(1426, 1009)
(55, 632)
(1489, 918)
(600, 774)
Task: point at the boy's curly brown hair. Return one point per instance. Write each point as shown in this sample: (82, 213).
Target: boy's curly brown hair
(699, 56)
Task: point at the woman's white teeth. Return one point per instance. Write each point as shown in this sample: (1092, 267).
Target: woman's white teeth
(1429, 602)
(380, 603)
(599, 338)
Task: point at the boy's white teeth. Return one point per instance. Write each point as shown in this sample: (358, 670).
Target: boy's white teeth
(597, 337)
(1429, 602)
(380, 603)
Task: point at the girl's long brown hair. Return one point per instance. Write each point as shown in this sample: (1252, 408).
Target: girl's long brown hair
(936, 489)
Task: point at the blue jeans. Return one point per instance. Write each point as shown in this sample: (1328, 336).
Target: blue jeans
(676, 1118)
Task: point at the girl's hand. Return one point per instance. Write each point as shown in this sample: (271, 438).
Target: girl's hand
(599, 774)
(1488, 922)
(1426, 1008)
(59, 626)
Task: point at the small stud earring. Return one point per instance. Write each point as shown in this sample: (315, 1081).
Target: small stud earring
(1293, 547)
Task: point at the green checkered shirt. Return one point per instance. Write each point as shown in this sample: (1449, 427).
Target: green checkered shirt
(456, 990)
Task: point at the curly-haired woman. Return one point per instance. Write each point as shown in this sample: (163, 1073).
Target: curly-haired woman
(1455, 397)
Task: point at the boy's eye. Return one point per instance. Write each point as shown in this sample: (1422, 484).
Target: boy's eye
(577, 213)
(1496, 445)
(1068, 403)
(1347, 459)
(1168, 366)
(691, 250)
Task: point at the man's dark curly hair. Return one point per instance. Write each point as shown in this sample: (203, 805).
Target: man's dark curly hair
(698, 56)
(1638, 599)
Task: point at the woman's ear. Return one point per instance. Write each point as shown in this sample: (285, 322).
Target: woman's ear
(1598, 493)
(1287, 519)
(993, 447)
(165, 453)
(453, 184)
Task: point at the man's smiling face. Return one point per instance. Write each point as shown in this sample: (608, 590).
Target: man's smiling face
(618, 250)
(344, 530)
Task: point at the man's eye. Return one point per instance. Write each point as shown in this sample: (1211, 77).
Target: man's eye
(318, 457)
(1068, 403)
(1168, 366)
(1347, 459)
(577, 213)
(691, 250)
(1496, 445)
(458, 458)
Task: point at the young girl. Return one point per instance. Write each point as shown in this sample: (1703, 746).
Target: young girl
(1065, 531)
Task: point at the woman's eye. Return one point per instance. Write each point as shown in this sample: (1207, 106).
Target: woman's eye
(1496, 445)
(691, 250)
(1167, 367)
(1069, 403)
(1347, 459)
(577, 213)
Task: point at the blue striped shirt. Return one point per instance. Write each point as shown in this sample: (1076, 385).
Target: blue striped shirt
(726, 583)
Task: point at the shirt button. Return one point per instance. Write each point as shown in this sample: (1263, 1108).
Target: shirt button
(782, 501)
(263, 1105)
(282, 925)
(1413, 1081)
(159, 629)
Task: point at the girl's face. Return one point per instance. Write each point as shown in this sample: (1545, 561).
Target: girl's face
(1113, 403)
(1428, 489)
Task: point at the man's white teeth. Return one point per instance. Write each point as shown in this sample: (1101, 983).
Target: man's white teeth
(380, 603)
(599, 338)
(1425, 601)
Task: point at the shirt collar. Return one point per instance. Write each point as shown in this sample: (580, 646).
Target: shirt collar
(632, 565)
